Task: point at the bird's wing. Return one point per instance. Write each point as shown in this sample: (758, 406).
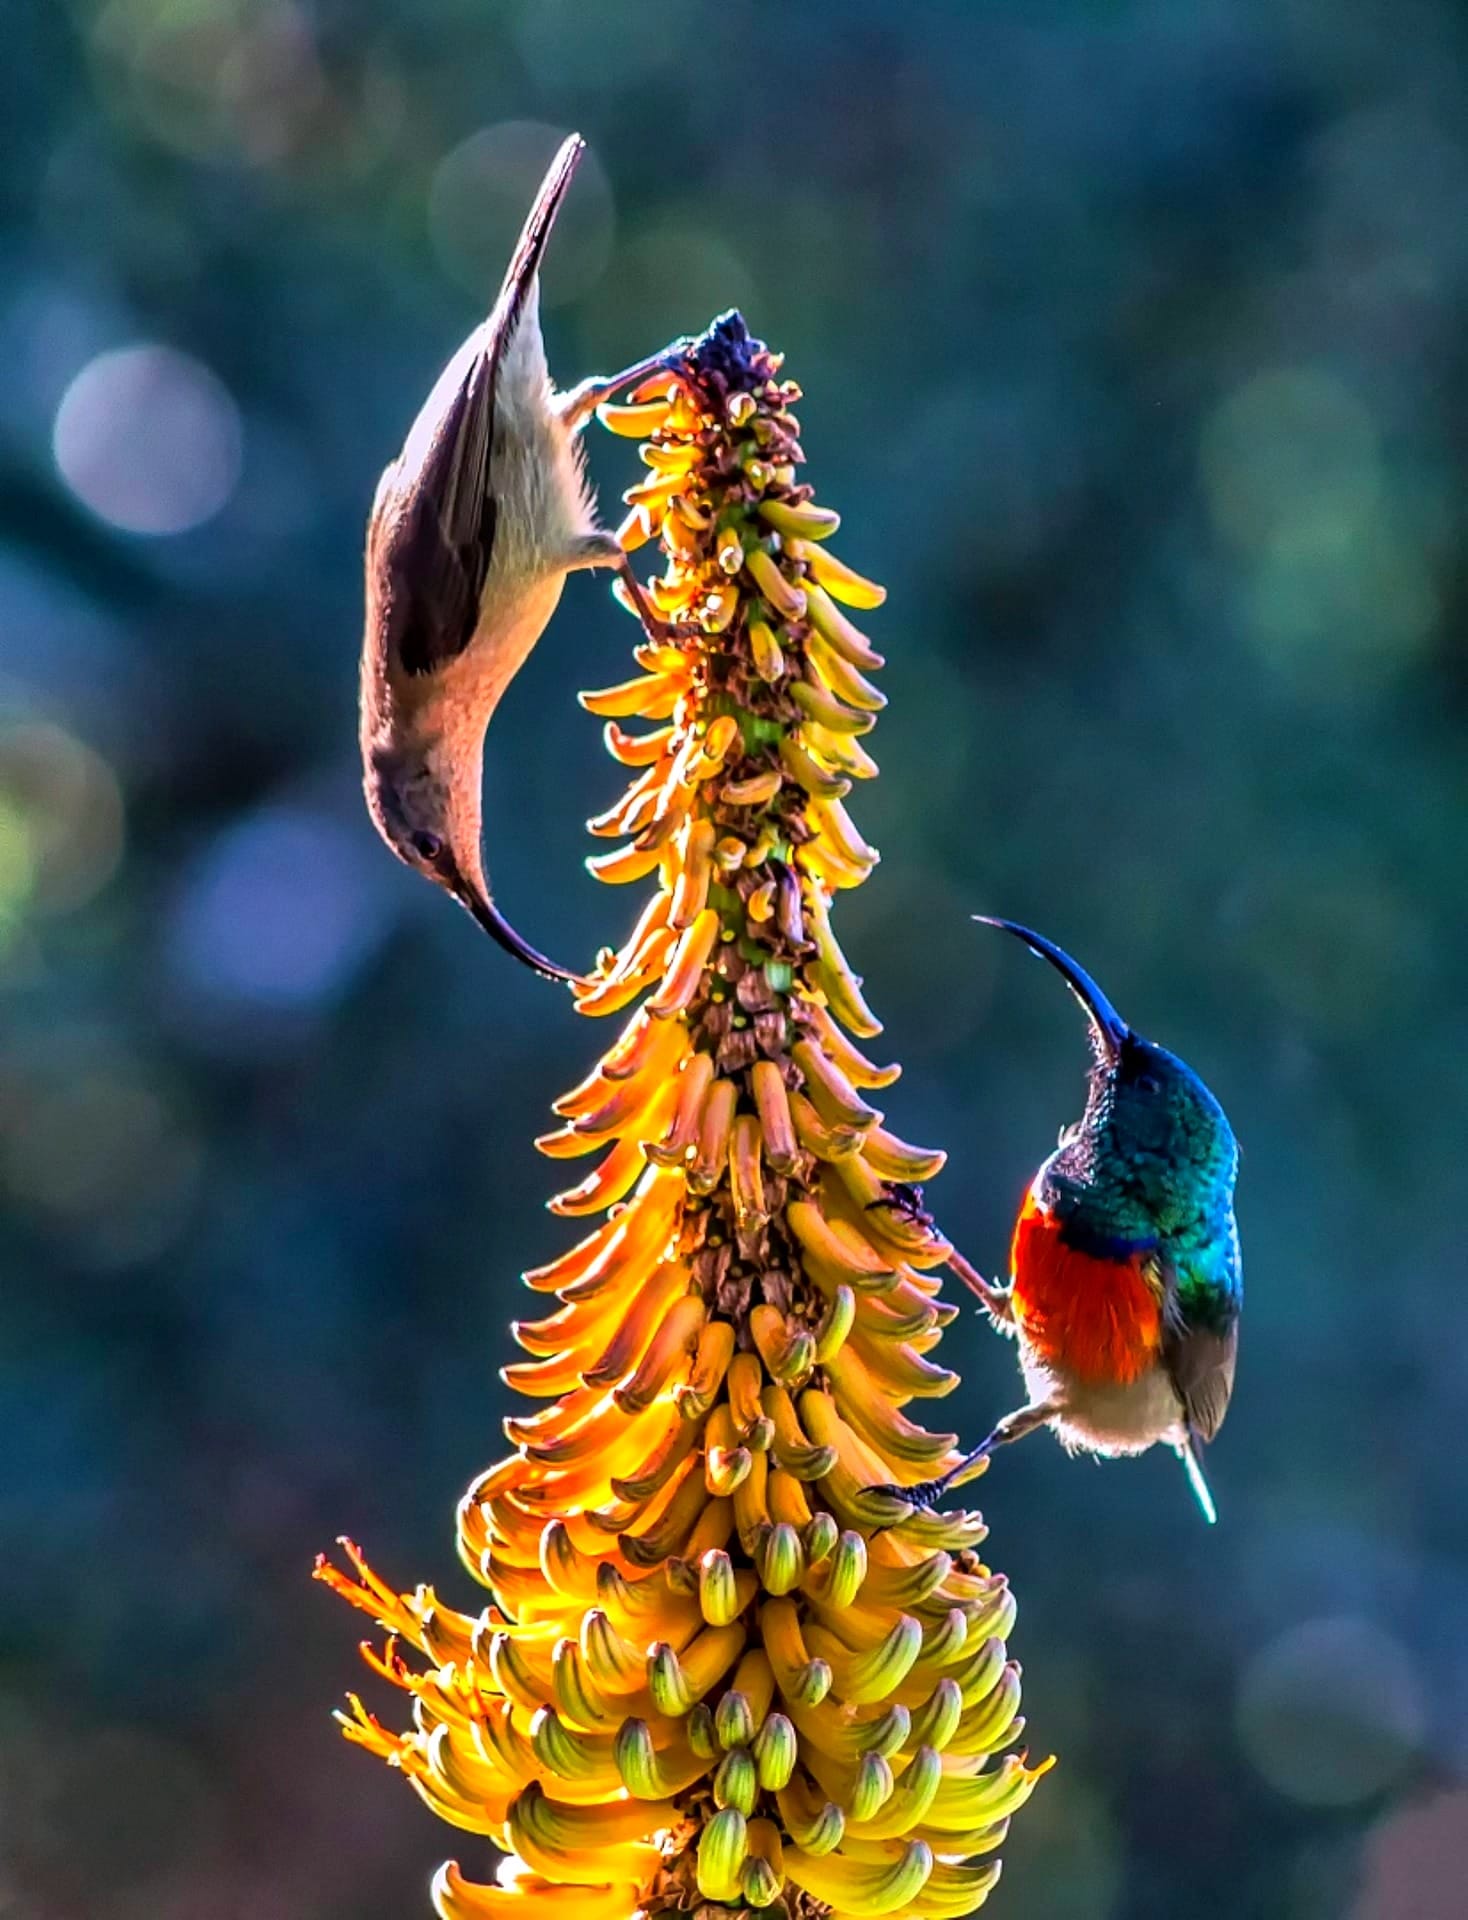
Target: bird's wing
(1200, 1340)
(443, 548)
(1201, 1361)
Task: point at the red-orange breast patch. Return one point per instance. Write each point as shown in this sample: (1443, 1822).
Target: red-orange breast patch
(1099, 1318)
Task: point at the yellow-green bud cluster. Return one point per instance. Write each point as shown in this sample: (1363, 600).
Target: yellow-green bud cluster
(722, 1666)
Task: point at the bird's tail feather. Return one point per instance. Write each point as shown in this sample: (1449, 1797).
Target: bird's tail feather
(524, 263)
(1187, 1452)
(457, 432)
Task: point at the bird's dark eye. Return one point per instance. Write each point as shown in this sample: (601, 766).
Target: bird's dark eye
(427, 846)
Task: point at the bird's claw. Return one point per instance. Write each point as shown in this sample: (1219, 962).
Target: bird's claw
(924, 1496)
(675, 356)
(630, 590)
(671, 631)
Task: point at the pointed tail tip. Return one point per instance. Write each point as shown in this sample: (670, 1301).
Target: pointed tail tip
(558, 177)
(1193, 1467)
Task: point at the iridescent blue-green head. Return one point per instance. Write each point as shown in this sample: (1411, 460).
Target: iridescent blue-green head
(1153, 1156)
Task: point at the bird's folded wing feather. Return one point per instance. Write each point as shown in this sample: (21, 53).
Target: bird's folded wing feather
(442, 552)
(1200, 1342)
(1201, 1361)
(443, 549)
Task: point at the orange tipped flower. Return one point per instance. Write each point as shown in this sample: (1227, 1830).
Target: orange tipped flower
(719, 1668)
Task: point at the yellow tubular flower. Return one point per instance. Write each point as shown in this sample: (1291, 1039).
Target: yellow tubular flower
(719, 1667)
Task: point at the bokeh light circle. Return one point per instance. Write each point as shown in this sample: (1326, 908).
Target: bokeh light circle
(1331, 1712)
(63, 802)
(149, 440)
(99, 1154)
(565, 43)
(277, 913)
(478, 199)
(1416, 1864)
(1292, 446)
(670, 275)
(1335, 572)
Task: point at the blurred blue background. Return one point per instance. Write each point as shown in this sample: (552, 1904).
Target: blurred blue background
(1133, 340)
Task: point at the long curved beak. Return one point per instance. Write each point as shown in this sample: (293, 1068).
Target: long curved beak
(483, 910)
(1107, 1024)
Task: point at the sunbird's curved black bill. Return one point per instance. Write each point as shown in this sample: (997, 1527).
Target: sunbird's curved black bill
(494, 923)
(1106, 1023)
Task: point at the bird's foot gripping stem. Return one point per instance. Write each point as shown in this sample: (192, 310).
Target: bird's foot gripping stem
(995, 1301)
(906, 1201)
(579, 403)
(1014, 1426)
(659, 628)
(927, 1493)
(605, 550)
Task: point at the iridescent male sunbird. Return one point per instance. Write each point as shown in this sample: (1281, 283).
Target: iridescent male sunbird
(472, 533)
(1126, 1281)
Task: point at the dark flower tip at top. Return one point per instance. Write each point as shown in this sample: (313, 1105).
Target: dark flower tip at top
(723, 1667)
(727, 355)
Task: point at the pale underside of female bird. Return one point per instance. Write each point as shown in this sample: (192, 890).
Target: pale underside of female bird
(473, 530)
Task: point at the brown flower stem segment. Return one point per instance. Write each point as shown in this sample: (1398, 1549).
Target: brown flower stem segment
(720, 1669)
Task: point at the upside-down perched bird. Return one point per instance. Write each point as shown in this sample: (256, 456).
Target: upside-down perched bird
(1126, 1281)
(474, 528)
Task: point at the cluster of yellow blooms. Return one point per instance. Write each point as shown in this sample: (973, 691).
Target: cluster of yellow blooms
(722, 1669)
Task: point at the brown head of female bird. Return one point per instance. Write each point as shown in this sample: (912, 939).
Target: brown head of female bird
(473, 530)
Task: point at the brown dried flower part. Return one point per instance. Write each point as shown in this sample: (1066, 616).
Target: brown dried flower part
(720, 1670)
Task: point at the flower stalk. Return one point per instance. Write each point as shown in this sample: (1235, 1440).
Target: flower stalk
(720, 1669)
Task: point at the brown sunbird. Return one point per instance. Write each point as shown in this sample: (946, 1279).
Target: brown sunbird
(473, 530)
